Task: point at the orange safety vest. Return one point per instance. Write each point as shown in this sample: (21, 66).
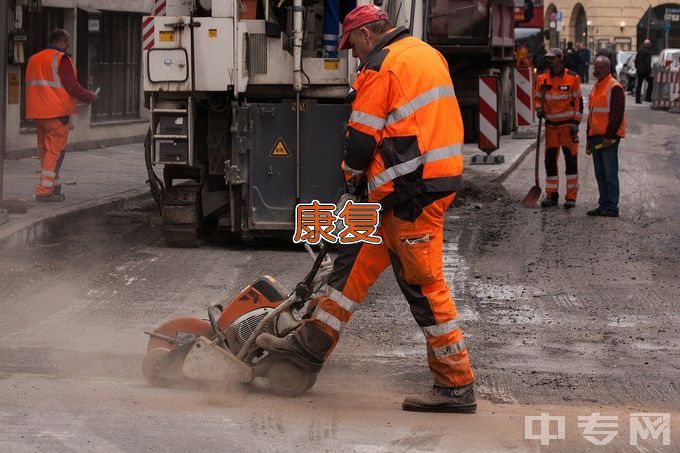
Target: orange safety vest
(562, 97)
(599, 106)
(406, 103)
(46, 97)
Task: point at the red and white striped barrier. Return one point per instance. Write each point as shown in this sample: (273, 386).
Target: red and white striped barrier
(489, 132)
(148, 33)
(159, 7)
(523, 98)
(666, 94)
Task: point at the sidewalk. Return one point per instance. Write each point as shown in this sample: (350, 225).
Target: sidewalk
(100, 176)
(514, 151)
(89, 179)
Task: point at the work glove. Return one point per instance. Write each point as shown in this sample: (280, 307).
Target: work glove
(589, 147)
(573, 129)
(539, 113)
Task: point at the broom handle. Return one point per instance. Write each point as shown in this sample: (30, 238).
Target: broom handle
(538, 138)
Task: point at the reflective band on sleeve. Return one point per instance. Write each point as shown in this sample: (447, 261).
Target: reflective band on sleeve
(450, 349)
(328, 319)
(46, 183)
(576, 94)
(440, 329)
(367, 120)
(599, 110)
(342, 300)
(51, 174)
(412, 165)
(420, 101)
(351, 170)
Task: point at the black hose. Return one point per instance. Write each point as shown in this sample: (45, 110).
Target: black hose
(155, 184)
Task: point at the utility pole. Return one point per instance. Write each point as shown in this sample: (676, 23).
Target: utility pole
(4, 32)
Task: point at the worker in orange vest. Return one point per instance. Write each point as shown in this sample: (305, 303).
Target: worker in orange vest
(51, 93)
(557, 98)
(606, 128)
(404, 141)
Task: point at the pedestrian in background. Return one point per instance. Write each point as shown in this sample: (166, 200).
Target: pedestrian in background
(539, 59)
(584, 56)
(571, 59)
(51, 93)
(606, 128)
(562, 109)
(643, 69)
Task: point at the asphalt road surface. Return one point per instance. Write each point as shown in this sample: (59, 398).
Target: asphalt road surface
(563, 314)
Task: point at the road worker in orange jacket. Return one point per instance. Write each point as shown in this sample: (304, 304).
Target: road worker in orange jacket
(404, 139)
(606, 128)
(51, 93)
(558, 99)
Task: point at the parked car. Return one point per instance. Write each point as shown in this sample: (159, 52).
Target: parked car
(621, 58)
(627, 75)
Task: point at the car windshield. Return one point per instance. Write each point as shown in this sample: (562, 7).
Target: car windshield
(624, 56)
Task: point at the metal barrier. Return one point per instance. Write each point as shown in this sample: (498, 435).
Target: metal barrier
(666, 92)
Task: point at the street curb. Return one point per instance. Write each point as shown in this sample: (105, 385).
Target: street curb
(500, 178)
(29, 230)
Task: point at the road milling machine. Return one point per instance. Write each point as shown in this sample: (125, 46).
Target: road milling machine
(248, 101)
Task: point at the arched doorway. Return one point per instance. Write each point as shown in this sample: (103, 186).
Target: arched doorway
(578, 24)
(550, 13)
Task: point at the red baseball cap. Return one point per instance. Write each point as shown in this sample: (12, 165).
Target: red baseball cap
(357, 18)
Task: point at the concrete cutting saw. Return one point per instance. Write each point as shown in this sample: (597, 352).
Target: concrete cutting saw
(223, 348)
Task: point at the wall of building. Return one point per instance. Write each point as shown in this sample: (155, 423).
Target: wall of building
(84, 133)
(606, 17)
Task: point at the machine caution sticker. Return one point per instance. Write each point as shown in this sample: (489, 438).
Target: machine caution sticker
(331, 64)
(280, 149)
(212, 33)
(166, 36)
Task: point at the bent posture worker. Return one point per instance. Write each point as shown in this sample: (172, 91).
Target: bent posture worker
(51, 93)
(404, 138)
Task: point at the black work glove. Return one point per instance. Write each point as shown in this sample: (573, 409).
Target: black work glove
(539, 113)
(573, 129)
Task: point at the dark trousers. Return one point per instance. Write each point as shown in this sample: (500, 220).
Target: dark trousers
(606, 163)
(650, 86)
(583, 74)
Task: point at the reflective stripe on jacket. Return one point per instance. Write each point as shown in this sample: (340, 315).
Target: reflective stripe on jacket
(46, 97)
(405, 131)
(563, 101)
(599, 105)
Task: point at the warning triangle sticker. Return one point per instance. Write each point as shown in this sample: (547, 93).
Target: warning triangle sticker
(280, 149)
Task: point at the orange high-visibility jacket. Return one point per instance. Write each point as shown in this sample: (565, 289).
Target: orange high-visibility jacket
(406, 131)
(599, 106)
(563, 101)
(46, 97)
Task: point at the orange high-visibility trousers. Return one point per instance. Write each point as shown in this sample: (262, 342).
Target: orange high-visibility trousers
(557, 137)
(52, 138)
(414, 249)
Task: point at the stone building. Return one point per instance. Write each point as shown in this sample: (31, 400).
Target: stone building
(106, 50)
(621, 23)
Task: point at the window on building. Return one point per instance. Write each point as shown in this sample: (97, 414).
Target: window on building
(115, 66)
(37, 27)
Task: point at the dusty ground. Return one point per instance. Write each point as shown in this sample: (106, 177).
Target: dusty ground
(563, 314)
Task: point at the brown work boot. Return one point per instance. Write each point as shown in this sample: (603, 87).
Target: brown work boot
(459, 400)
(289, 348)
